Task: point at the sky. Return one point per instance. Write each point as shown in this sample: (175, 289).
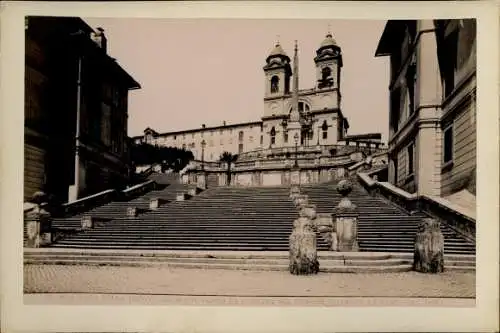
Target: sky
(206, 71)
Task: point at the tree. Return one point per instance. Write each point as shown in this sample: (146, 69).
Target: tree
(168, 157)
(228, 158)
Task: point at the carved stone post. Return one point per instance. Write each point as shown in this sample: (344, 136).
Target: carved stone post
(201, 180)
(154, 204)
(294, 192)
(429, 247)
(87, 222)
(345, 216)
(132, 212)
(326, 229)
(302, 248)
(301, 199)
(38, 222)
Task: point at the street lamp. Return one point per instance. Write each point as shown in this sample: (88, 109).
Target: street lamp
(296, 139)
(203, 144)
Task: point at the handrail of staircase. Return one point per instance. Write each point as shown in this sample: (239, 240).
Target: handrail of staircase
(85, 203)
(138, 189)
(454, 216)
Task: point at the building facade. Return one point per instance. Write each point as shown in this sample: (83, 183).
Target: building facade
(76, 141)
(322, 122)
(432, 130)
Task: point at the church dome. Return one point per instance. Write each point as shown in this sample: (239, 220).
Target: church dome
(328, 41)
(278, 52)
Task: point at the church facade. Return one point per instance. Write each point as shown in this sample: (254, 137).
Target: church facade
(320, 119)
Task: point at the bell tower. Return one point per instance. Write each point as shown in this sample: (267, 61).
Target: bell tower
(328, 62)
(277, 72)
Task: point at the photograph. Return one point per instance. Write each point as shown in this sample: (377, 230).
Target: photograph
(152, 168)
(228, 162)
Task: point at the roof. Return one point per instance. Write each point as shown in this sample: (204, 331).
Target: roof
(366, 136)
(74, 33)
(277, 52)
(201, 129)
(328, 41)
(391, 36)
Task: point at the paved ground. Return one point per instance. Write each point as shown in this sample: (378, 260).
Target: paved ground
(181, 285)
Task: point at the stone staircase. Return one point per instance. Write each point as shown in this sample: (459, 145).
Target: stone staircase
(168, 188)
(243, 219)
(223, 218)
(330, 262)
(382, 226)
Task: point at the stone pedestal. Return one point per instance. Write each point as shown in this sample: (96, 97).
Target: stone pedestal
(295, 176)
(345, 216)
(87, 222)
(294, 191)
(155, 203)
(300, 200)
(38, 227)
(302, 248)
(326, 229)
(180, 197)
(429, 247)
(201, 181)
(192, 192)
(132, 212)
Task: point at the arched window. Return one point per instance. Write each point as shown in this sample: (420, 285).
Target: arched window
(303, 107)
(273, 135)
(240, 135)
(326, 78)
(275, 84)
(326, 72)
(324, 129)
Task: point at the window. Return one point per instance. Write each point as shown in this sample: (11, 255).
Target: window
(240, 148)
(261, 139)
(448, 145)
(211, 133)
(221, 132)
(240, 136)
(324, 129)
(221, 142)
(192, 136)
(250, 138)
(285, 137)
(303, 107)
(275, 84)
(326, 78)
(183, 146)
(411, 156)
(273, 136)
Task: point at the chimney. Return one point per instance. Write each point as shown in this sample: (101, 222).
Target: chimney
(203, 126)
(100, 39)
(224, 123)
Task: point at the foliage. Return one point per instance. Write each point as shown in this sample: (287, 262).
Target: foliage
(169, 157)
(228, 158)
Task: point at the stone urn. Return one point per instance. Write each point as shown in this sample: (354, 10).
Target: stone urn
(302, 248)
(428, 255)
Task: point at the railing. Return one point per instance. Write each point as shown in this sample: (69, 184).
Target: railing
(88, 202)
(452, 215)
(137, 190)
